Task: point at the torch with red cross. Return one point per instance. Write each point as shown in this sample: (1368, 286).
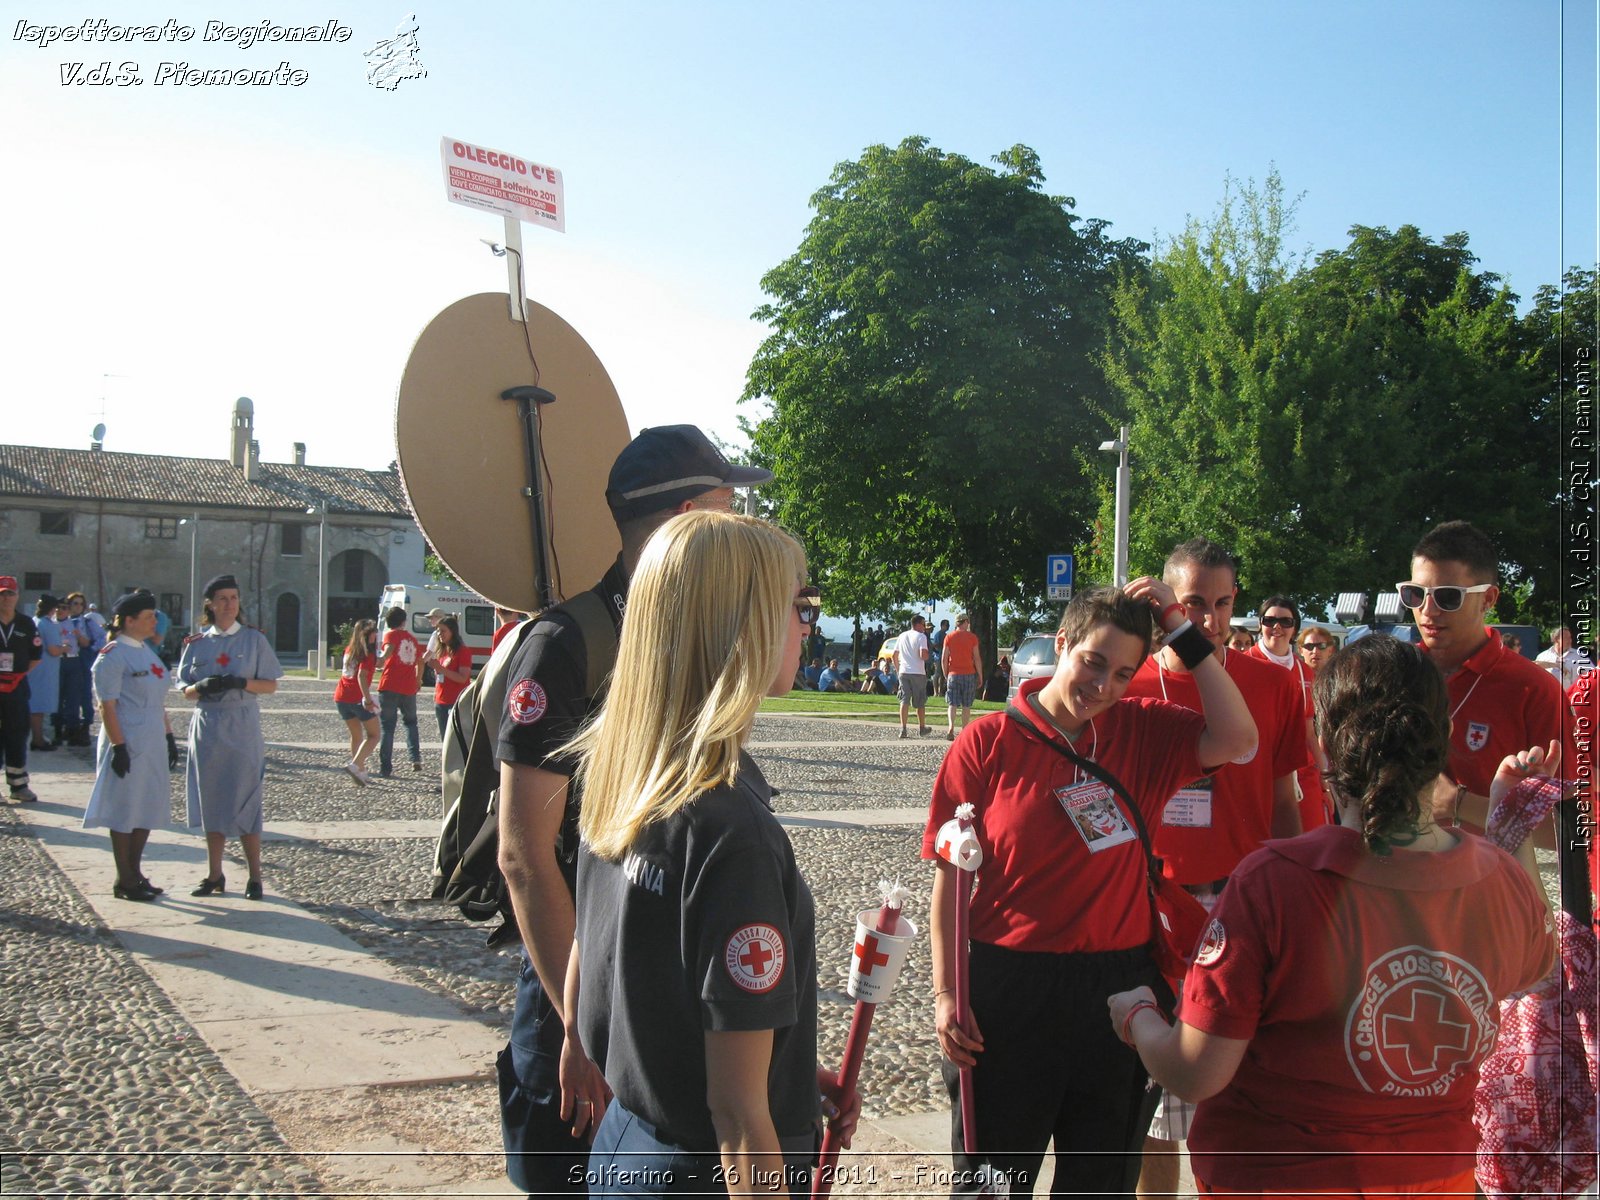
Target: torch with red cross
(882, 940)
(958, 845)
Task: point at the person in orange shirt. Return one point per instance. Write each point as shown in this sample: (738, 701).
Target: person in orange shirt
(963, 667)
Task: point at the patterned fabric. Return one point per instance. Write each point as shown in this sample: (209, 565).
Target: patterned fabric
(1535, 1106)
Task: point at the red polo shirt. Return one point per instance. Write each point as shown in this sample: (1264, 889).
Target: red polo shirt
(1241, 798)
(1041, 887)
(1313, 799)
(1501, 703)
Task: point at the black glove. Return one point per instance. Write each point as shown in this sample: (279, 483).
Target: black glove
(215, 685)
(236, 683)
(172, 753)
(120, 762)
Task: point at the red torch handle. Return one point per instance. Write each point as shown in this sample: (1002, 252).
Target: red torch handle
(855, 1050)
(969, 1107)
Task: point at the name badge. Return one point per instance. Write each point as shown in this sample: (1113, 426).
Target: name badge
(6, 661)
(1095, 815)
(1190, 807)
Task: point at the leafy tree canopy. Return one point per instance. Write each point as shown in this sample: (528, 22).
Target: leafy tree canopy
(930, 375)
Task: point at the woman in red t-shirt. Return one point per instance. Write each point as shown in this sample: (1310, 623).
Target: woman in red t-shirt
(353, 697)
(452, 664)
(1347, 986)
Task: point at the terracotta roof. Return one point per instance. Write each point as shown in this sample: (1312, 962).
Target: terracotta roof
(45, 472)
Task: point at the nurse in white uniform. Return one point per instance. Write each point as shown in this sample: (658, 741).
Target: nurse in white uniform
(132, 793)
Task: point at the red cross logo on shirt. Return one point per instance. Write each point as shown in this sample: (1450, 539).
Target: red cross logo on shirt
(158, 672)
(1425, 1034)
(754, 957)
(223, 660)
(869, 954)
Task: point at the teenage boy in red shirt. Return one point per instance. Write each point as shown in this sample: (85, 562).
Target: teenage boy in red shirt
(399, 660)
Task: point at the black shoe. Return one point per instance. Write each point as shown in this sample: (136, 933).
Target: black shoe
(208, 885)
(154, 890)
(41, 747)
(140, 891)
(252, 890)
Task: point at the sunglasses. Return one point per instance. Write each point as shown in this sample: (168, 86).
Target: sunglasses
(1278, 622)
(1447, 596)
(808, 603)
(1315, 647)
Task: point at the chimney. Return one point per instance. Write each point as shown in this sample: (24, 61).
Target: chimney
(243, 423)
(299, 454)
(97, 444)
(252, 462)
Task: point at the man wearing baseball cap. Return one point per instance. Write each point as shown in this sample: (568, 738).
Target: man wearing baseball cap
(20, 647)
(552, 687)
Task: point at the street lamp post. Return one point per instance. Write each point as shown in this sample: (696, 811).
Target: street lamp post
(194, 536)
(1124, 480)
(321, 510)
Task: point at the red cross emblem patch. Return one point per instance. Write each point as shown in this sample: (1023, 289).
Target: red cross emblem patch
(755, 957)
(223, 659)
(527, 702)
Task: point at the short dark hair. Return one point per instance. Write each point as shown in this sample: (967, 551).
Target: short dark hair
(1461, 542)
(1384, 718)
(1199, 552)
(1099, 606)
(395, 617)
(1282, 602)
(918, 619)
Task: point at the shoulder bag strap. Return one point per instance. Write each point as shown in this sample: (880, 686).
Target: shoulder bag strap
(1104, 776)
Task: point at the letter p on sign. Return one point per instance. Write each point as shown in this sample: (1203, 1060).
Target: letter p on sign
(1058, 576)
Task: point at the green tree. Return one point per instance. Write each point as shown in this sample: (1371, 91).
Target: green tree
(1318, 418)
(930, 372)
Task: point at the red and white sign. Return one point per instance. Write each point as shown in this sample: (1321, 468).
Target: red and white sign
(493, 181)
(754, 958)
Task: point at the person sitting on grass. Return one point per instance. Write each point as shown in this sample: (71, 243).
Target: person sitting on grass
(832, 678)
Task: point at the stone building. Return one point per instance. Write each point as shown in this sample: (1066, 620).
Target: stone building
(101, 523)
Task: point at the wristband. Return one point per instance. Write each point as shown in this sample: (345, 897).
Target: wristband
(1190, 645)
(1135, 1011)
(1169, 608)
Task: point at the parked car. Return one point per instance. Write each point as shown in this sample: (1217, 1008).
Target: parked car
(1034, 656)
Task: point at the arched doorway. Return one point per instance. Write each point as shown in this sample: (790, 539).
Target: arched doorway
(355, 580)
(286, 629)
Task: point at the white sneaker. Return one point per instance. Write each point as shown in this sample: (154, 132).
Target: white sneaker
(357, 775)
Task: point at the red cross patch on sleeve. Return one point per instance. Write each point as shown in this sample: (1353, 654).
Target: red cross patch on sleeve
(527, 702)
(755, 958)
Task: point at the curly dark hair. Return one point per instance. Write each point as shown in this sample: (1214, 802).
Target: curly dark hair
(1090, 609)
(1384, 717)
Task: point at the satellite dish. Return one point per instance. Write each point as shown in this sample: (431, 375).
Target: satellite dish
(462, 458)
(100, 433)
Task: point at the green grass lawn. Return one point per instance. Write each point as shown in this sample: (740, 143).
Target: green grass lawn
(859, 707)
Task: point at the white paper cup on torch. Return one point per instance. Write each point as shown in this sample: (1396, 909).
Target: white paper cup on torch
(878, 957)
(958, 845)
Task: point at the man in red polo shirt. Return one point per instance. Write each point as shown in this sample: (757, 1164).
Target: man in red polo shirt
(1212, 823)
(1499, 701)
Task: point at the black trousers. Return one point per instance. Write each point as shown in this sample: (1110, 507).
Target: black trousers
(1053, 1067)
(14, 732)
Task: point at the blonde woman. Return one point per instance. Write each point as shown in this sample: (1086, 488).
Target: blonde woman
(693, 974)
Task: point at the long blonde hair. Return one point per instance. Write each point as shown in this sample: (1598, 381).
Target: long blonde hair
(708, 621)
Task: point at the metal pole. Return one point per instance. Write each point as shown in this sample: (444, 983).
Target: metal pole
(322, 592)
(1124, 482)
(194, 578)
(528, 399)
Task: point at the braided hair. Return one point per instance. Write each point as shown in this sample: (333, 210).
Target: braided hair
(1384, 718)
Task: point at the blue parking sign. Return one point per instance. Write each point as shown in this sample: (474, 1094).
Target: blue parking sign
(1058, 576)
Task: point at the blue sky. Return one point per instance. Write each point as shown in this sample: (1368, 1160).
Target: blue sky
(168, 249)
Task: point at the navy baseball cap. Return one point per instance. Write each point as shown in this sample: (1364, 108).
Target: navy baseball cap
(666, 465)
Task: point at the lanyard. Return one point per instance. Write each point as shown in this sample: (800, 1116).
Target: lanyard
(1161, 671)
(1094, 736)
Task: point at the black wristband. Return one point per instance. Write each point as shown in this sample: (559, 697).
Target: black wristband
(1190, 645)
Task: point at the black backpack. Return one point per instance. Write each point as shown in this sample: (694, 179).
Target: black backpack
(466, 863)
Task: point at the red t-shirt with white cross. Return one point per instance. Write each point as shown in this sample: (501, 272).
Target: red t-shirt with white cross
(1368, 989)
